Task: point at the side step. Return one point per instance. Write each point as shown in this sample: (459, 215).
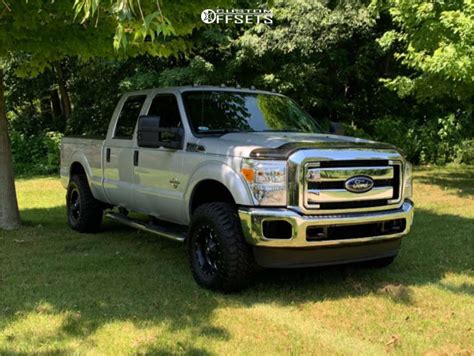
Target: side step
(175, 234)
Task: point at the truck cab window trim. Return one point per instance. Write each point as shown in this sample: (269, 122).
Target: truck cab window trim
(127, 131)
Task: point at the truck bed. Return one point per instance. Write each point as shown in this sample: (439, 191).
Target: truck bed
(88, 152)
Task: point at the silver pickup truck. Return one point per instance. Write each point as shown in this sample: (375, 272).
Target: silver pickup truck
(245, 178)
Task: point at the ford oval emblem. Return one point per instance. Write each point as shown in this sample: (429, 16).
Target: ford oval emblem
(359, 184)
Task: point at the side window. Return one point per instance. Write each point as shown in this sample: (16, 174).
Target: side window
(128, 117)
(166, 107)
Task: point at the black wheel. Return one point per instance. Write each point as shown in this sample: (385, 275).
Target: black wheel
(84, 213)
(380, 262)
(220, 258)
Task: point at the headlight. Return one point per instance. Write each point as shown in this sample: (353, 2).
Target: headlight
(408, 181)
(267, 181)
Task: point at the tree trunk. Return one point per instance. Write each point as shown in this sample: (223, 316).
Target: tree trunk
(65, 101)
(55, 104)
(9, 215)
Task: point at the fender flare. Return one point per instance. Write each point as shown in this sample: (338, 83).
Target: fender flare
(80, 157)
(224, 174)
(95, 182)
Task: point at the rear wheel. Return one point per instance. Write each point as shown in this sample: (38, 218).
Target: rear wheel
(84, 212)
(220, 258)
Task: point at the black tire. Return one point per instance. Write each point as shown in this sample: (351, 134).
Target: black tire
(84, 213)
(380, 262)
(220, 258)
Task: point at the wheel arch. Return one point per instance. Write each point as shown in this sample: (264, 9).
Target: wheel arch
(208, 191)
(76, 168)
(216, 182)
(80, 164)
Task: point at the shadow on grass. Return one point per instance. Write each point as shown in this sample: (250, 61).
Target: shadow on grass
(122, 275)
(461, 180)
(437, 245)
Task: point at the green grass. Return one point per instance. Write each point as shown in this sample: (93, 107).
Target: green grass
(123, 291)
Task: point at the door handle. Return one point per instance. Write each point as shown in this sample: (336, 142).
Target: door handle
(135, 158)
(107, 155)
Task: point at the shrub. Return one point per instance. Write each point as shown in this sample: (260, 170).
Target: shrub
(401, 133)
(427, 141)
(52, 141)
(465, 152)
(354, 131)
(33, 155)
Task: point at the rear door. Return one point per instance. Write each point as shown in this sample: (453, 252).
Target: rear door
(119, 153)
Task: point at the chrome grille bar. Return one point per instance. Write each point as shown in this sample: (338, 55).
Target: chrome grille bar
(344, 173)
(316, 196)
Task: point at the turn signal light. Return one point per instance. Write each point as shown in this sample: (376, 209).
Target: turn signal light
(248, 173)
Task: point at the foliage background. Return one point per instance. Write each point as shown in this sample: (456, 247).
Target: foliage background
(399, 71)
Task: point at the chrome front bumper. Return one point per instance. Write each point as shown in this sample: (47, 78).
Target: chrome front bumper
(252, 221)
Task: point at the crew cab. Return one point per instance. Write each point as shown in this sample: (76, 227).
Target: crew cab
(245, 178)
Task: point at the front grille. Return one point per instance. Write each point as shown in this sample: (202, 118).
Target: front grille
(325, 184)
(340, 184)
(354, 163)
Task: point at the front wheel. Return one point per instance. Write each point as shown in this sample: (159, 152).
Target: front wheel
(220, 258)
(84, 212)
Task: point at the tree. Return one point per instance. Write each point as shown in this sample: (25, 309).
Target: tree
(435, 41)
(63, 93)
(46, 32)
(42, 32)
(322, 53)
(9, 216)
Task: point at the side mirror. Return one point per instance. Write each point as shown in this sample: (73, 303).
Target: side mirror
(151, 135)
(336, 128)
(171, 137)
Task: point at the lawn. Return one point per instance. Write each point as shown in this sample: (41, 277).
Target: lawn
(123, 291)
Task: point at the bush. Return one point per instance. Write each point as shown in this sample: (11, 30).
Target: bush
(427, 141)
(354, 131)
(52, 140)
(465, 152)
(401, 133)
(34, 155)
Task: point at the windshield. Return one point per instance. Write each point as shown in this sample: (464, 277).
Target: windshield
(217, 112)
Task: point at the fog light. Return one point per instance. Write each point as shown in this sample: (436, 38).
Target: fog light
(277, 230)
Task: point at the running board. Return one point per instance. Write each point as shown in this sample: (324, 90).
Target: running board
(169, 233)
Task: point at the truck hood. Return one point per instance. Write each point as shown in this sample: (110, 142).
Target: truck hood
(278, 145)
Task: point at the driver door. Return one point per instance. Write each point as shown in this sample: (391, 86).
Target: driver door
(159, 180)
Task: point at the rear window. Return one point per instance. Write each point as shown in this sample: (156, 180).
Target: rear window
(128, 117)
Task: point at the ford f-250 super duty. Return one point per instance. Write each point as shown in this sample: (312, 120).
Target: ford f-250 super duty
(244, 177)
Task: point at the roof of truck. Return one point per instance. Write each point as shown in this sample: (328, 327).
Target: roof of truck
(220, 88)
(185, 88)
